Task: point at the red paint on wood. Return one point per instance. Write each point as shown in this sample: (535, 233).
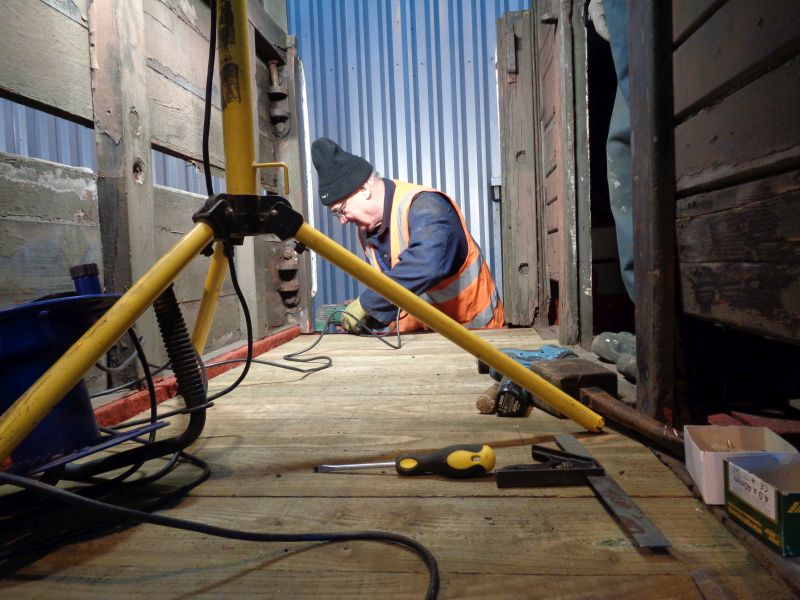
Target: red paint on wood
(128, 406)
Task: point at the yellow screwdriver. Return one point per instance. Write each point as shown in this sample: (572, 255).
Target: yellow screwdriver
(459, 461)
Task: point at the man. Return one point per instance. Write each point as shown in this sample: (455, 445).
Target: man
(415, 235)
(610, 18)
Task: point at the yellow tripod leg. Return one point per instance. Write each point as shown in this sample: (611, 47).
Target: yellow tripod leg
(456, 333)
(30, 408)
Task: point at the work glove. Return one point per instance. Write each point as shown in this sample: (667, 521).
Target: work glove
(354, 317)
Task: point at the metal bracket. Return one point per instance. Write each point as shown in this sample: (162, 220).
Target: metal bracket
(576, 466)
(558, 469)
(234, 217)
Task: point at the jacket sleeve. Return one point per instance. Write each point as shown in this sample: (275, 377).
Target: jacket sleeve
(437, 248)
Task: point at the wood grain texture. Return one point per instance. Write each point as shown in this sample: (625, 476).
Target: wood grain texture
(754, 222)
(739, 42)
(653, 192)
(739, 260)
(520, 221)
(263, 440)
(549, 90)
(688, 15)
(45, 57)
(49, 222)
(750, 133)
(763, 298)
(176, 38)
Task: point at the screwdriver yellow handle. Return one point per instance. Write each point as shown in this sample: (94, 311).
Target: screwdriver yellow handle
(463, 460)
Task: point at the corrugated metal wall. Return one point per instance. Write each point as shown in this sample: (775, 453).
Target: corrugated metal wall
(411, 86)
(28, 131)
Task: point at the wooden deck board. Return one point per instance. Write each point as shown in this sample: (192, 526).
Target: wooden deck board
(263, 440)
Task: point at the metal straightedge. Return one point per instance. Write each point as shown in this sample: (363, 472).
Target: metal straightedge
(576, 466)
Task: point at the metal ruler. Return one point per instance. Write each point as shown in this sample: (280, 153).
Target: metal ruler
(644, 533)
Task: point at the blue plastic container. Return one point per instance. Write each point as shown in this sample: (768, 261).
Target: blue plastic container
(32, 337)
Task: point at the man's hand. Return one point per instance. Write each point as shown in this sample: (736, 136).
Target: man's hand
(353, 316)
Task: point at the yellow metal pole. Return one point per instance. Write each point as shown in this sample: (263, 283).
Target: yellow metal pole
(237, 96)
(238, 136)
(30, 408)
(438, 321)
(215, 278)
(280, 165)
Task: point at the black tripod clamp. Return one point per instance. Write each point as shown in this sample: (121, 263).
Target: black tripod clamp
(236, 216)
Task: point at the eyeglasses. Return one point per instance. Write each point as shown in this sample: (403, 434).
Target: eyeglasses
(339, 211)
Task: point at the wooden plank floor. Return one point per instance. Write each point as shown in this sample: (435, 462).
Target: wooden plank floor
(263, 440)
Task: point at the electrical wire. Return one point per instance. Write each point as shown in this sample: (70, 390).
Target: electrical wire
(53, 492)
(248, 325)
(131, 384)
(212, 48)
(151, 387)
(121, 366)
(328, 362)
(250, 536)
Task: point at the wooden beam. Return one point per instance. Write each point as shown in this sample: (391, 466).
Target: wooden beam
(582, 166)
(122, 138)
(718, 147)
(46, 56)
(653, 168)
(569, 316)
(739, 261)
(520, 220)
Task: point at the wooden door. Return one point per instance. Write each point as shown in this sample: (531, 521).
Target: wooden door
(556, 122)
(520, 214)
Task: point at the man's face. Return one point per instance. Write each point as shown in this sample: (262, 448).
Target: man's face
(359, 208)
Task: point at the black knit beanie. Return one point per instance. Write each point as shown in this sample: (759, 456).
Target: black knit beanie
(340, 173)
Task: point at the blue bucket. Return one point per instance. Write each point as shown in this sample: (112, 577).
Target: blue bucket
(32, 337)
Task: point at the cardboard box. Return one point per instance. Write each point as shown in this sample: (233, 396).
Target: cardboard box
(762, 493)
(707, 445)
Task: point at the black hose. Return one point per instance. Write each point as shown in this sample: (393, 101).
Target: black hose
(190, 386)
(235, 534)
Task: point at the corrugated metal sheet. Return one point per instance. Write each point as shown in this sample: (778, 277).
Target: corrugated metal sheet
(411, 86)
(27, 131)
(181, 174)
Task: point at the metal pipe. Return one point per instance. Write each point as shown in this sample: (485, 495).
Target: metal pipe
(657, 432)
(30, 408)
(238, 137)
(278, 165)
(456, 333)
(215, 278)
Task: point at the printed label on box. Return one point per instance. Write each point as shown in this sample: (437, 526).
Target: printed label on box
(752, 490)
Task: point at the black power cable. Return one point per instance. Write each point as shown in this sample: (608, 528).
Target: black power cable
(143, 517)
(212, 48)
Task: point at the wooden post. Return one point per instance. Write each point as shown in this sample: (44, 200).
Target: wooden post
(521, 220)
(583, 197)
(653, 189)
(569, 325)
(122, 137)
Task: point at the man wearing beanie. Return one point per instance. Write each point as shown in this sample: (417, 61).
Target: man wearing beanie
(415, 235)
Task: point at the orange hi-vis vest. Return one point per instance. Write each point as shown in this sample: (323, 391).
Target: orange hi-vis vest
(469, 296)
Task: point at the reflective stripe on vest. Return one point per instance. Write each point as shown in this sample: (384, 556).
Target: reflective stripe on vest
(474, 272)
(454, 288)
(483, 318)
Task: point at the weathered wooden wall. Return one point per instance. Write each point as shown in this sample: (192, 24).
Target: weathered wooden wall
(737, 160)
(523, 246)
(136, 71)
(718, 266)
(48, 223)
(48, 212)
(546, 216)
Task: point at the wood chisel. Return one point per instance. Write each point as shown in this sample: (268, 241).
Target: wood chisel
(459, 461)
